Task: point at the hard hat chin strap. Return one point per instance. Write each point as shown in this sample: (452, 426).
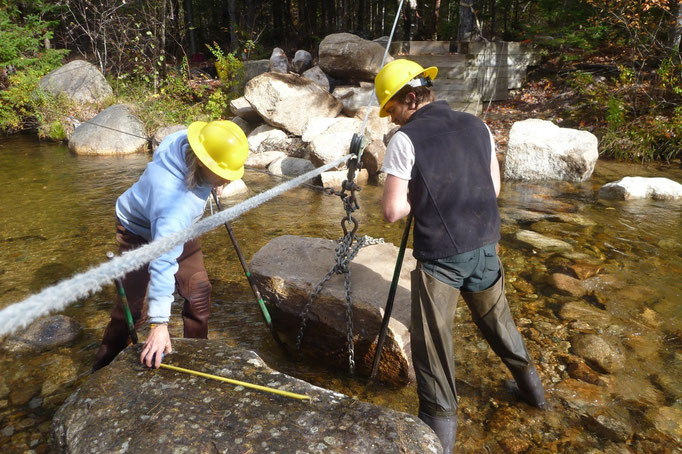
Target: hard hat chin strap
(420, 82)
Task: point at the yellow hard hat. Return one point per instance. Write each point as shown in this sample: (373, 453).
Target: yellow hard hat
(394, 76)
(221, 146)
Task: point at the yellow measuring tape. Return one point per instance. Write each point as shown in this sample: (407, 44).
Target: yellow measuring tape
(237, 382)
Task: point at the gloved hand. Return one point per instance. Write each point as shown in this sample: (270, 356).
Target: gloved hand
(157, 345)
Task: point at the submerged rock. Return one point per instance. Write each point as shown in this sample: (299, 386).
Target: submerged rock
(541, 242)
(287, 270)
(45, 333)
(127, 408)
(604, 354)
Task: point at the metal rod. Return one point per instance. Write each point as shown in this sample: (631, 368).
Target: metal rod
(249, 277)
(237, 382)
(124, 302)
(391, 297)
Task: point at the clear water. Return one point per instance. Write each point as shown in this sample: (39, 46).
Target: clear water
(57, 219)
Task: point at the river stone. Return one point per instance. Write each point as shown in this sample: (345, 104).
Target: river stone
(540, 150)
(264, 159)
(541, 242)
(584, 312)
(126, 408)
(242, 108)
(513, 215)
(253, 68)
(60, 370)
(288, 101)
(302, 61)
(335, 178)
(334, 142)
(628, 188)
(161, 134)
(347, 56)
(266, 138)
(376, 128)
(566, 285)
(79, 80)
(45, 333)
(289, 268)
(354, 98)
(373, 156)
(119, 132)
(581, 396)
(611, 421)
(667, 420)
(279, 63)
(604, 354)
(290, 167)
(319, 77)
(234, 188)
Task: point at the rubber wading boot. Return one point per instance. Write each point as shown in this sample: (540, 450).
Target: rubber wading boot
(528, 387)
(445, 427)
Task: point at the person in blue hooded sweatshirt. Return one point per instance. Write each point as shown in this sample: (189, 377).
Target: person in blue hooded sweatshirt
(169, 196)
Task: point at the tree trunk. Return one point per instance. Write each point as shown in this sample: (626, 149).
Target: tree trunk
(467, 21)
(232, 23)
(676, 30)
(189, 11)
(410, 19)
(436, 10)
(492, 18)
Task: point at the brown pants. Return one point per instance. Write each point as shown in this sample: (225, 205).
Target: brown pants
(191, 281)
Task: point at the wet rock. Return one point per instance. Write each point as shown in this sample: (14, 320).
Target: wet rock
(541, 242)
(523, 286)
(667, 420)
(566, 284)
(290, 167)
(671, 385)
(514, 445)
(584, 312)
(59, 371)
(79, 80)
(288, 101)
(579, 395)
(573, 218)
(521, 216)
(612, 422)
(603, 282)
(605, 355)
(115, 130)
(302, 61)
(287, 270)
(4, 389)
(583, 270)
(637, 392)
(332, 142)
(540, 150)
(124, 407)
(347, 56)
(577, 369)
(279, 63)
(161, 134)
(45, 333)
(264, 159)
(629, 188)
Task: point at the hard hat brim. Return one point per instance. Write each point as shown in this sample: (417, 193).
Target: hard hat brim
(430, 72)
(193, 132)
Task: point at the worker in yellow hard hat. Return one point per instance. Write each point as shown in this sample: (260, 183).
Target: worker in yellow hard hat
(169, 196)
(446, 161)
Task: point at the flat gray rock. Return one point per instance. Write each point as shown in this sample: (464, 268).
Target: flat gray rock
(78, 80)
(115, 130)
(127, 408)
(287, 270)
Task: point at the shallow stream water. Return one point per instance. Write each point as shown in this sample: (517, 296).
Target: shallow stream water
(57, 220)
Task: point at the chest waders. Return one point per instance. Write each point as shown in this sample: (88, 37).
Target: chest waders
(432, 323)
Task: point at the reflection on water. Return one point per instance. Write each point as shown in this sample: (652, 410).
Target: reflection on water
(57, 218)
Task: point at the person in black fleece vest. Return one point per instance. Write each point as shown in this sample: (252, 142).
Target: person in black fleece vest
(441, 166)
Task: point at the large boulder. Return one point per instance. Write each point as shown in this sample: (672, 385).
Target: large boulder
(319, 77)
(347, 56)
(161, 134)
(288, 101)
(242, 108)
(115, 130)
(540, 150)
(125, 408)
(354, 98)
(332, 142)
(642, 188)
(302, 61)
(288, 269)
(78, 80)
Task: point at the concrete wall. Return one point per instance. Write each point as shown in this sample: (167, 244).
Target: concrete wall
(470, 73)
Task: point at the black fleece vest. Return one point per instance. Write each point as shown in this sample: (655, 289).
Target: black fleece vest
(451, 191)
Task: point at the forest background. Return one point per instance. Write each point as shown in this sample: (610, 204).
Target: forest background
(612, 67)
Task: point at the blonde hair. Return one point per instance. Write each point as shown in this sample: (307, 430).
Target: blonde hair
(194, 176)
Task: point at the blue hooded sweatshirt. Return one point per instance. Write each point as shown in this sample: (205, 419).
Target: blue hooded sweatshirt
(160, 204)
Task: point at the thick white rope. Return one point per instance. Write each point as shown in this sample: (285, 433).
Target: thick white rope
(58, 296)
